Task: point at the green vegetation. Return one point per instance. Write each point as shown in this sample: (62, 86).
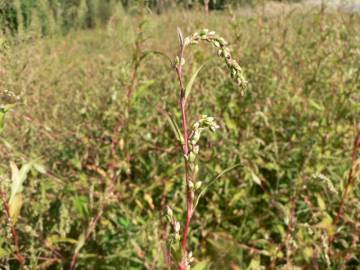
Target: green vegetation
(60, 16)
(92, 163)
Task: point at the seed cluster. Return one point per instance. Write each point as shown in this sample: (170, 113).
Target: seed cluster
(174, 223)
(191, 147)
(204, 123)
(7, 94)
(237, 73)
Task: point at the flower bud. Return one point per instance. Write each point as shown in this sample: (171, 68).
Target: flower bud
(191, 184)
(196, 169)
(198, 185)
(222, 42)
(233, 72)
(195, 138)
(204, 32)
(177, 226)
(226, 53)
(192, 157)
(177, 60)
(169, 211)
(210, 119)
(216, 44)
(182, 61)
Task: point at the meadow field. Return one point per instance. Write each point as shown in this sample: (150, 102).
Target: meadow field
(98, 172)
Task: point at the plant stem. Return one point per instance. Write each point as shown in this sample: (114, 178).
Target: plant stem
(349, 183)
(90, 230)
(189, 195)
(20, 258)
(123, 120)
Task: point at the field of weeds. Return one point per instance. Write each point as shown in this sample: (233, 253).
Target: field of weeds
(92, 146)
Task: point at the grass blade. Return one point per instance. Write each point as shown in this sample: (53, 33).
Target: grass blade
(191, 82)
(203, 191)
(175, 128)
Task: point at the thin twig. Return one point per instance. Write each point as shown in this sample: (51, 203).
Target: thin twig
(349, 183)
(20, 258)
(89, 231)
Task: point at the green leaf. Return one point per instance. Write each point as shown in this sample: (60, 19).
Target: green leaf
(16, 198)
(3, 110)
(39, 167)
(143, 88)
(255, 264)
(3, 253)
(237, 197)
(80, 242)
(175, 128)
(205, 188)
(18, 178)
(201, 265)
(54, 239)
(321, 202)
(2, 120)
(191, 82)
(7, 144)
(176, 252)
(255, 178)
(230, 123)
(81, 205)
(181, 36)
(15, 207)
(316, 105)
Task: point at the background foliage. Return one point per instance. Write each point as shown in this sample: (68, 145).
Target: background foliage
(63, 15)
(92, 150)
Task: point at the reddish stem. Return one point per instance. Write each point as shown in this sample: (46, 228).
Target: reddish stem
(88, 233)
(349, 183)
(123, 122)
(189, 195)
(14, 234)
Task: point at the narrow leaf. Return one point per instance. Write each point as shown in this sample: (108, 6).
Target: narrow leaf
(181, 36)
(200, 265)
(203, 191)
(80, 242)
(15, 207)
(3, 110)
(18, 178)
(149, 53)
(255, 178)
(54, 239)
(16, 185)
(191, 82)
(175, 128)
(40, 168)
(3, 253)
